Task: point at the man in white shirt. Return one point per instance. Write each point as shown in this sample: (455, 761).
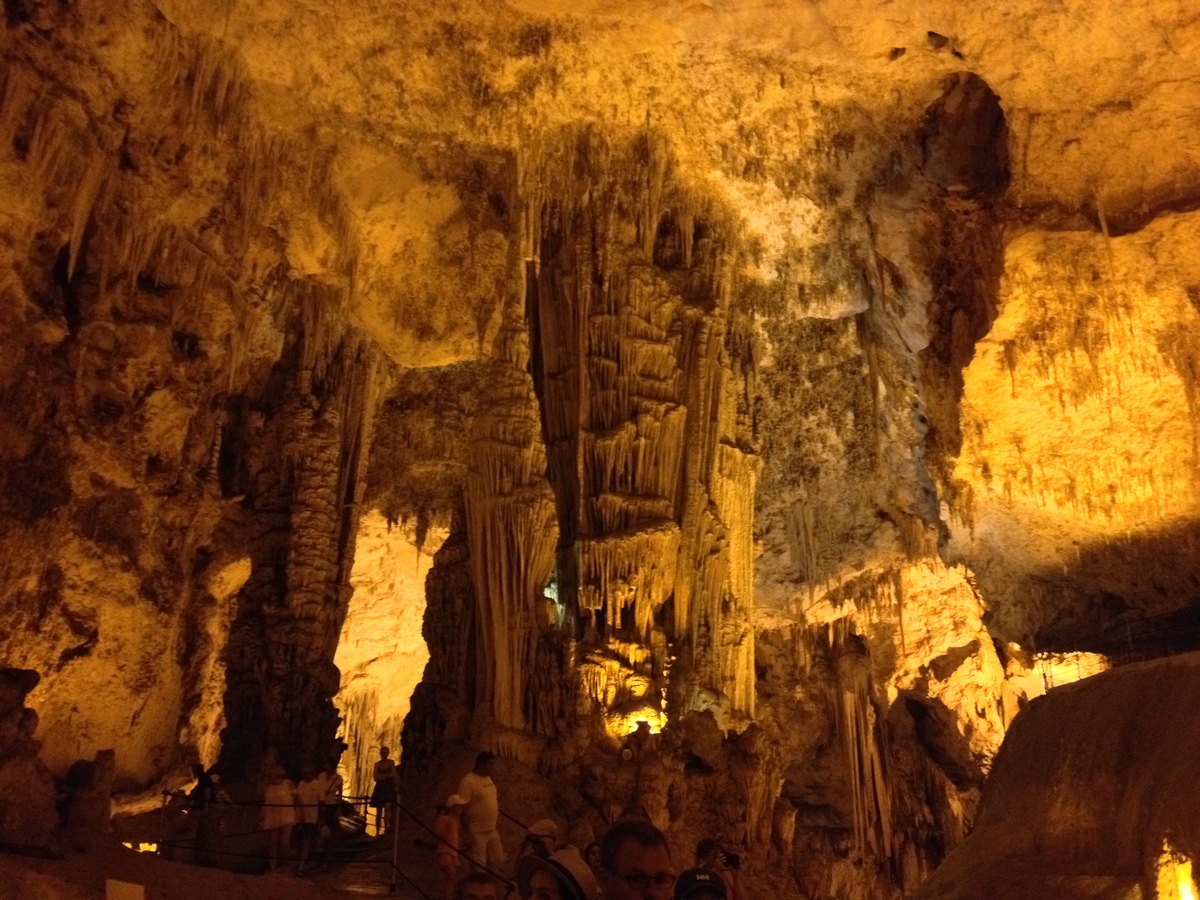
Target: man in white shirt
(482, 814)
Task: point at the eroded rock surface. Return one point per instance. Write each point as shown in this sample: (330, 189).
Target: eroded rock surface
(28, 817)
(1092, 781)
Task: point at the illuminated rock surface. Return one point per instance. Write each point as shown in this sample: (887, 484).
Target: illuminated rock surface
(791, 377)
(1092, 780)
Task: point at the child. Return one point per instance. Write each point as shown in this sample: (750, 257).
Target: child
(445, 826)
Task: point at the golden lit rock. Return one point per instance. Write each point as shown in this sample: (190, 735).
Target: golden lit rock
(380, 652)
(1175, 880)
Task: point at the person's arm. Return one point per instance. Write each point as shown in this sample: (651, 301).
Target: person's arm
(735, 882)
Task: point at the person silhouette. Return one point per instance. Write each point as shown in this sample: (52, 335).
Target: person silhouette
(384, 794)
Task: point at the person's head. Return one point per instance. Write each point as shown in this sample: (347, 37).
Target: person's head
(483, 763)
(561, 876)
(478, 886)
(700, 884)
(591, 855)
(636, 862)
(385, 752)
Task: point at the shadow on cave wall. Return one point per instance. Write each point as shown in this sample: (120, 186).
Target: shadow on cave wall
(964, 149)
(1132, 598)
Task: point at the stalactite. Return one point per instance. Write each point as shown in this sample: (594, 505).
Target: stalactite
(865, 759)
(734, 493)
(324, 324)
(362, 737)
(87, 193)
(208, 75)
(629, 571)
(800, 522)
(201, 82)
(636, 395)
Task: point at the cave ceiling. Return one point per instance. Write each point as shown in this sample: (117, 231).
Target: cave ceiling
(760, 105)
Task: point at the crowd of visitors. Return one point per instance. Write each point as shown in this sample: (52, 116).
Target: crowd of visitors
(631, 862)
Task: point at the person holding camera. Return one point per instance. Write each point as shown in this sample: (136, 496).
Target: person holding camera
(711, 855)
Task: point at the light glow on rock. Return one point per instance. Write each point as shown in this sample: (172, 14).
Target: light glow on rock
(624, 724)
(1058, 669)
(381, 653)
(1175, 881)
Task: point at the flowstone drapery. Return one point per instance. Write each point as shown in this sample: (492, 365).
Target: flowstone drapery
(512, 532)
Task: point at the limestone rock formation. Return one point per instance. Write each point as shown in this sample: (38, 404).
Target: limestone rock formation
(27, 813)
(85, 800)
(813, 383)
(1092, 782)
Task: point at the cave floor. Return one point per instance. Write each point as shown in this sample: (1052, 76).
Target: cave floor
(83, 876)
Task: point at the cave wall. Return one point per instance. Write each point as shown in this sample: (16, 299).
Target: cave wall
(785, 394)
(1092, 783)
(1079, 443)
(192, 406)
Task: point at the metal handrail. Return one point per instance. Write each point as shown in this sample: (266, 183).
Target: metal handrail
(393, 864)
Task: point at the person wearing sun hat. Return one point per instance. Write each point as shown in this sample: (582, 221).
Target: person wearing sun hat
(700, 884)
(561, 876)
(540, 840)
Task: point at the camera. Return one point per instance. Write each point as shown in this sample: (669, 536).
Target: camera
(733, 861)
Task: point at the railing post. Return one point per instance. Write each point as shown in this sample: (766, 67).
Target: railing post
(162, 824)
(395, 843)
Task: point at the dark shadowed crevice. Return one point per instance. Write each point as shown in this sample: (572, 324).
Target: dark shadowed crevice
(964, 143)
